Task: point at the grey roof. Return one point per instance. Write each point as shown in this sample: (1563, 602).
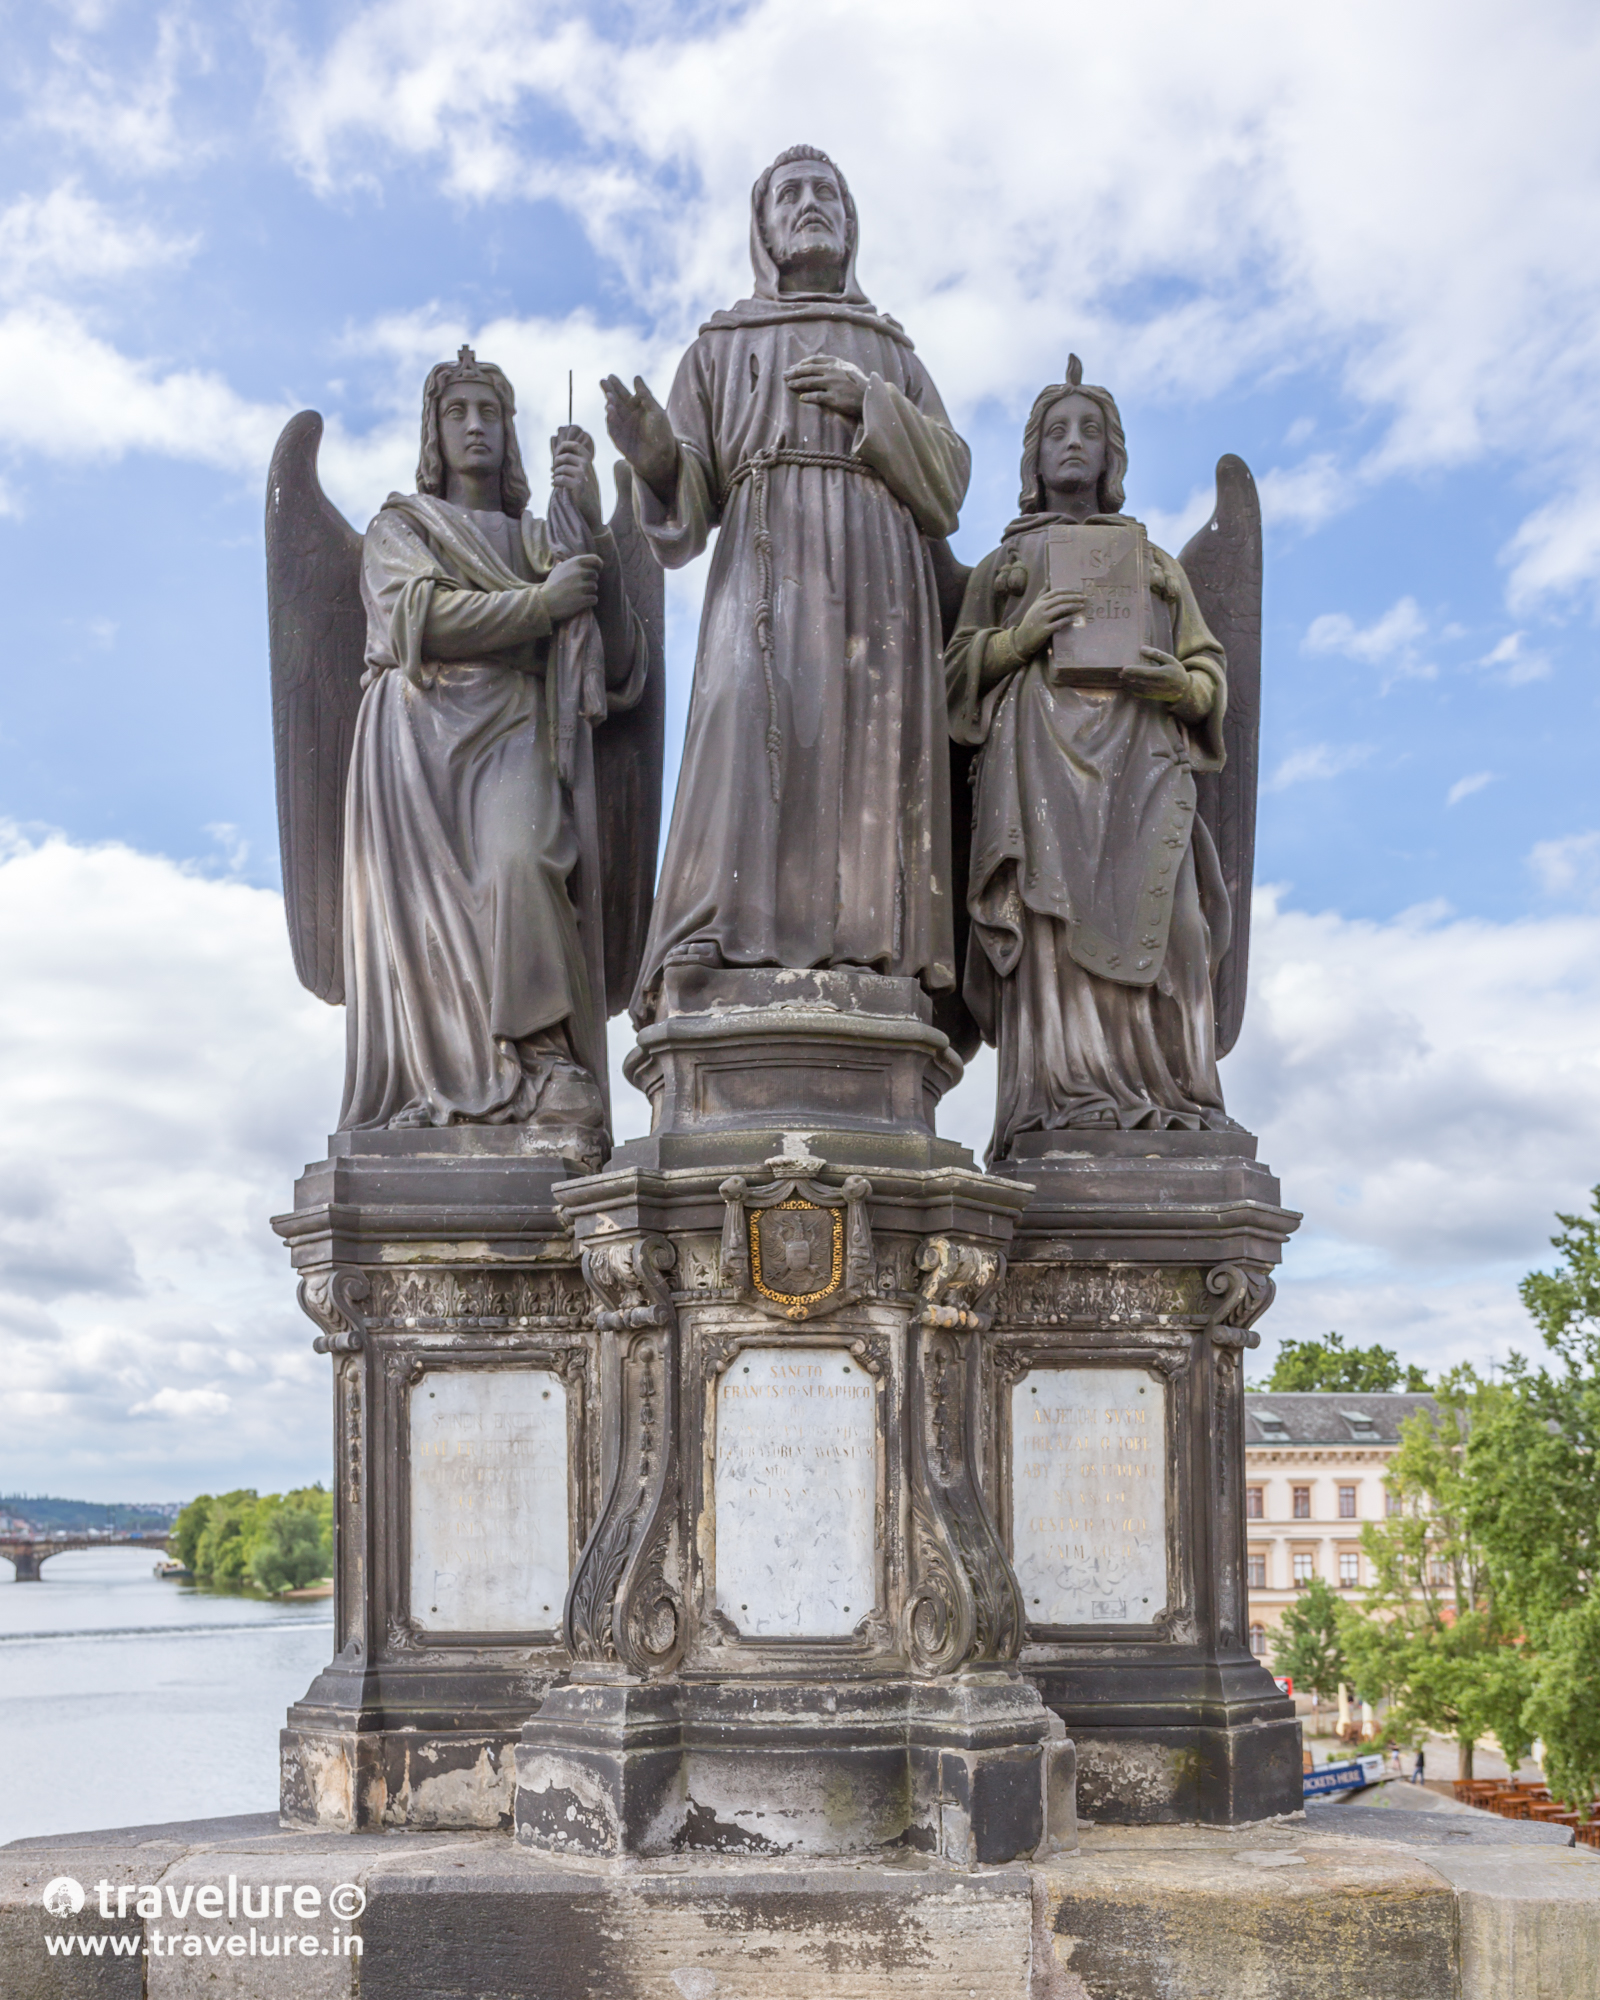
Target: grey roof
(1327, 1416)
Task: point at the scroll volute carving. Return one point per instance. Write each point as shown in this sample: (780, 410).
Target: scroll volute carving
(1242, 1296)
(965, 1604)
(624, 1604)
(333, 1300)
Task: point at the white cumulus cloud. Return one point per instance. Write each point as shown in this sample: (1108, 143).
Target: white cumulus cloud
(1391, 641)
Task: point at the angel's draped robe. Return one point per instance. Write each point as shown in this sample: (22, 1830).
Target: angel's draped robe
(1098, 908)
(850, 862)
(469, 996)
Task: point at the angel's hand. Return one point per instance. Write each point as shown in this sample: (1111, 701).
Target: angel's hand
(572, 471)
(572, 586)
(1044, 618)
(1163, 679)
(823, 378)
(641, 431)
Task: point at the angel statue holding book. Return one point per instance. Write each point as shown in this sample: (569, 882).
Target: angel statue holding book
(1112, 825)
(467, 710)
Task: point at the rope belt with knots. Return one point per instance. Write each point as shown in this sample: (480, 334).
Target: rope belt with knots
(756, 467)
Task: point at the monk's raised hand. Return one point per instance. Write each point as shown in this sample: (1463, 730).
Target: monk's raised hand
(823, 378)
(572, 586)
(1044, 618)
(641, 431)
(1162, 678)
(572, 471)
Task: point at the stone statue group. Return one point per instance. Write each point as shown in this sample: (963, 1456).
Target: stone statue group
(1019, 785)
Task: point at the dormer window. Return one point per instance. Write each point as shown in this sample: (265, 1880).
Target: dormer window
(1271, 1426)
(1362, 1428)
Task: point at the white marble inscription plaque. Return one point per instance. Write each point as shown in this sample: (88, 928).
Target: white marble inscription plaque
(796, 1492)
(488, 1500)
(1088, 1495)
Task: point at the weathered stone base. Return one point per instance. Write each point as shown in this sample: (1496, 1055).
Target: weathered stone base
(972, 1769)
(1330, 1908)
(351, 1781)
(1174, 1774)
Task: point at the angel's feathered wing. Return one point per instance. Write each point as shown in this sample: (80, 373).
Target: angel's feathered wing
(318, 635)
(1223, 562)
(627, 768)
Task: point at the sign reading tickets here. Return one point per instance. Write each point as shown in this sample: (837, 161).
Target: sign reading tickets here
(796, 1492)
(1088, 1495)
(489, 1549)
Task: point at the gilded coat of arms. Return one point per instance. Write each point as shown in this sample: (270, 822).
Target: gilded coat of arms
(797, 1246)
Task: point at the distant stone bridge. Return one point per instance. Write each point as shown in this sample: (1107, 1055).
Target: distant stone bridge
(30, 1553)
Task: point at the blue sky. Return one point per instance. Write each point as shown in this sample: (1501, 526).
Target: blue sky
(1355, 246)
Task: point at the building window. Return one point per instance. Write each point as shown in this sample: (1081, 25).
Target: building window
(1347, 1503)
(1391, 1501)
(1349, 1569)
(1258, 1641)
(1256, 1570)
(1255, 1503)
(1438, 1570)
(1302, 1503)
(1304, 1567)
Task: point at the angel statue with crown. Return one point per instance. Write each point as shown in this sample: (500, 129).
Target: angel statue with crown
(468, 721)
(1113, 789)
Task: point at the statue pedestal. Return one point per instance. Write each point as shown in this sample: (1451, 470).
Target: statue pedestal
(791, 1485)
(793, 1627)
(448, 1294)
(1114, 1457)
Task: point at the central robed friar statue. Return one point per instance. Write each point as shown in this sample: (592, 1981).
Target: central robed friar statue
(811, 825)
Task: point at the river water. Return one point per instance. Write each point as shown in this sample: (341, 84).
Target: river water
(125, 1700)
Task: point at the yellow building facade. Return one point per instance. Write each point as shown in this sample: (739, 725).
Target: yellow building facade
(1315, 1465)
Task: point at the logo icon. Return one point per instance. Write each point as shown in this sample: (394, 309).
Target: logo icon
(63, 1897)
(347, 1900)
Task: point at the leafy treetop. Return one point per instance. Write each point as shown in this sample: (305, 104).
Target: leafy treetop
(1329, 1364)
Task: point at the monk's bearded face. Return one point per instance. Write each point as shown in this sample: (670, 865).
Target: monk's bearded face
(803, 219)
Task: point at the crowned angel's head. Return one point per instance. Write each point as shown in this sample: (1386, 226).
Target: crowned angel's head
(468, 427)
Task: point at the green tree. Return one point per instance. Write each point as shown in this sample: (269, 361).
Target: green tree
(292, 1545)
(1329, 1364)
(1308, 1644)
(222, 1554)
(189, 1527)
(1432, 1638)
(1533, 1504)
(1562, 1708)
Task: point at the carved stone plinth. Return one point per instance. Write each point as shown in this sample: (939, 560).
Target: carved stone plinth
(793, 1626)
(448, 1294)
(970, 1767)
(742, 1054)
(1114, 1459)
